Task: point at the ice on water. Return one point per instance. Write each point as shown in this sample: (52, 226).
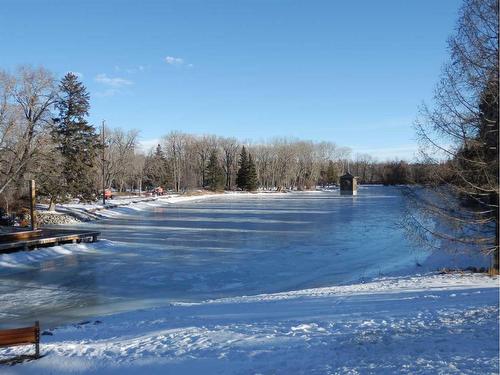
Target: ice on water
(224, 246)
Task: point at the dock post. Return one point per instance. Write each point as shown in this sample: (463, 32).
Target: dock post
(32, 204)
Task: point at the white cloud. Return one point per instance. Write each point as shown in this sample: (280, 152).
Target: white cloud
(147, 145)
(130, 70)
(174, 60)
(115, 82)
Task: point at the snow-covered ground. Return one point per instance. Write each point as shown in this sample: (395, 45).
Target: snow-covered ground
(97, 210)
(435, 324)
(251, 284)
(71, 213)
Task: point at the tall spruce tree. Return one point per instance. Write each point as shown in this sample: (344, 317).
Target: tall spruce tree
(214, 173)
(76, 139)
(252, 182)
(242, 177)
(156, 170)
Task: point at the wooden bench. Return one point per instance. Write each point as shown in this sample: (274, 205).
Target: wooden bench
(22, 336)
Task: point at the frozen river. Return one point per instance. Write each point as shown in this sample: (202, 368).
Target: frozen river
(229, 245)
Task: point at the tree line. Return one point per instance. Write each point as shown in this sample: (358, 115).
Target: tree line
(184, 161)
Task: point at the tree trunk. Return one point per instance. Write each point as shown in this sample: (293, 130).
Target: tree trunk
(52, 204)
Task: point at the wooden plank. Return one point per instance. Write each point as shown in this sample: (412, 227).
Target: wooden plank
(17, 336)
(24, 332)
(50, 237)
(20, 339)
(14, 331)
(28, 335)
(19, 236)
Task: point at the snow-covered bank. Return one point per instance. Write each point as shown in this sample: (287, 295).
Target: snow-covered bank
(418, 325)
(29, 259)
(70, 213)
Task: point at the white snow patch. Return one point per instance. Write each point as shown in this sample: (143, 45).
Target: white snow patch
(387, 326)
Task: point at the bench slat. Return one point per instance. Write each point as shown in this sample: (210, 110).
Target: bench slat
(30, 331)
(18, 340)
(18, 337)
(13, 331)
(14, 336)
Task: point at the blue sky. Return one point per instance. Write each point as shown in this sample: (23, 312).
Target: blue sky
(351, 72)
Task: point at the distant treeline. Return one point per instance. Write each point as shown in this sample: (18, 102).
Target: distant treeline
(180, 162)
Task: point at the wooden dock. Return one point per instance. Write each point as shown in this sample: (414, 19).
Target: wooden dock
(31, 239)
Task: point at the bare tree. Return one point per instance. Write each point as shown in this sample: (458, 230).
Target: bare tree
(174, 146)
(121, 150)
(459, 137)
(25, 116)
(137, 171)
(230, 147)
(362, 168)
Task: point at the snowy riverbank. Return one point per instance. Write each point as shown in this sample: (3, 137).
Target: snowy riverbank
(418, 325)
(70, 213)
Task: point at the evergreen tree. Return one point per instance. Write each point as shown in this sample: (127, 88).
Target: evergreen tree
(252, 182)
(156, 171)
(241, 178)
(75, 137)
(215, 173)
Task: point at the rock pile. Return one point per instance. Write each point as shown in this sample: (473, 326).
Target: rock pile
(51, 218)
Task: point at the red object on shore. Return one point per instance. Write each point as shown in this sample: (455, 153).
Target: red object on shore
(108, 194)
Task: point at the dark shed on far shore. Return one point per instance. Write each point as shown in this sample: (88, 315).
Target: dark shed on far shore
(348, 184)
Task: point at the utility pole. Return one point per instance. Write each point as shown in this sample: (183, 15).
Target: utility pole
(103, 166)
